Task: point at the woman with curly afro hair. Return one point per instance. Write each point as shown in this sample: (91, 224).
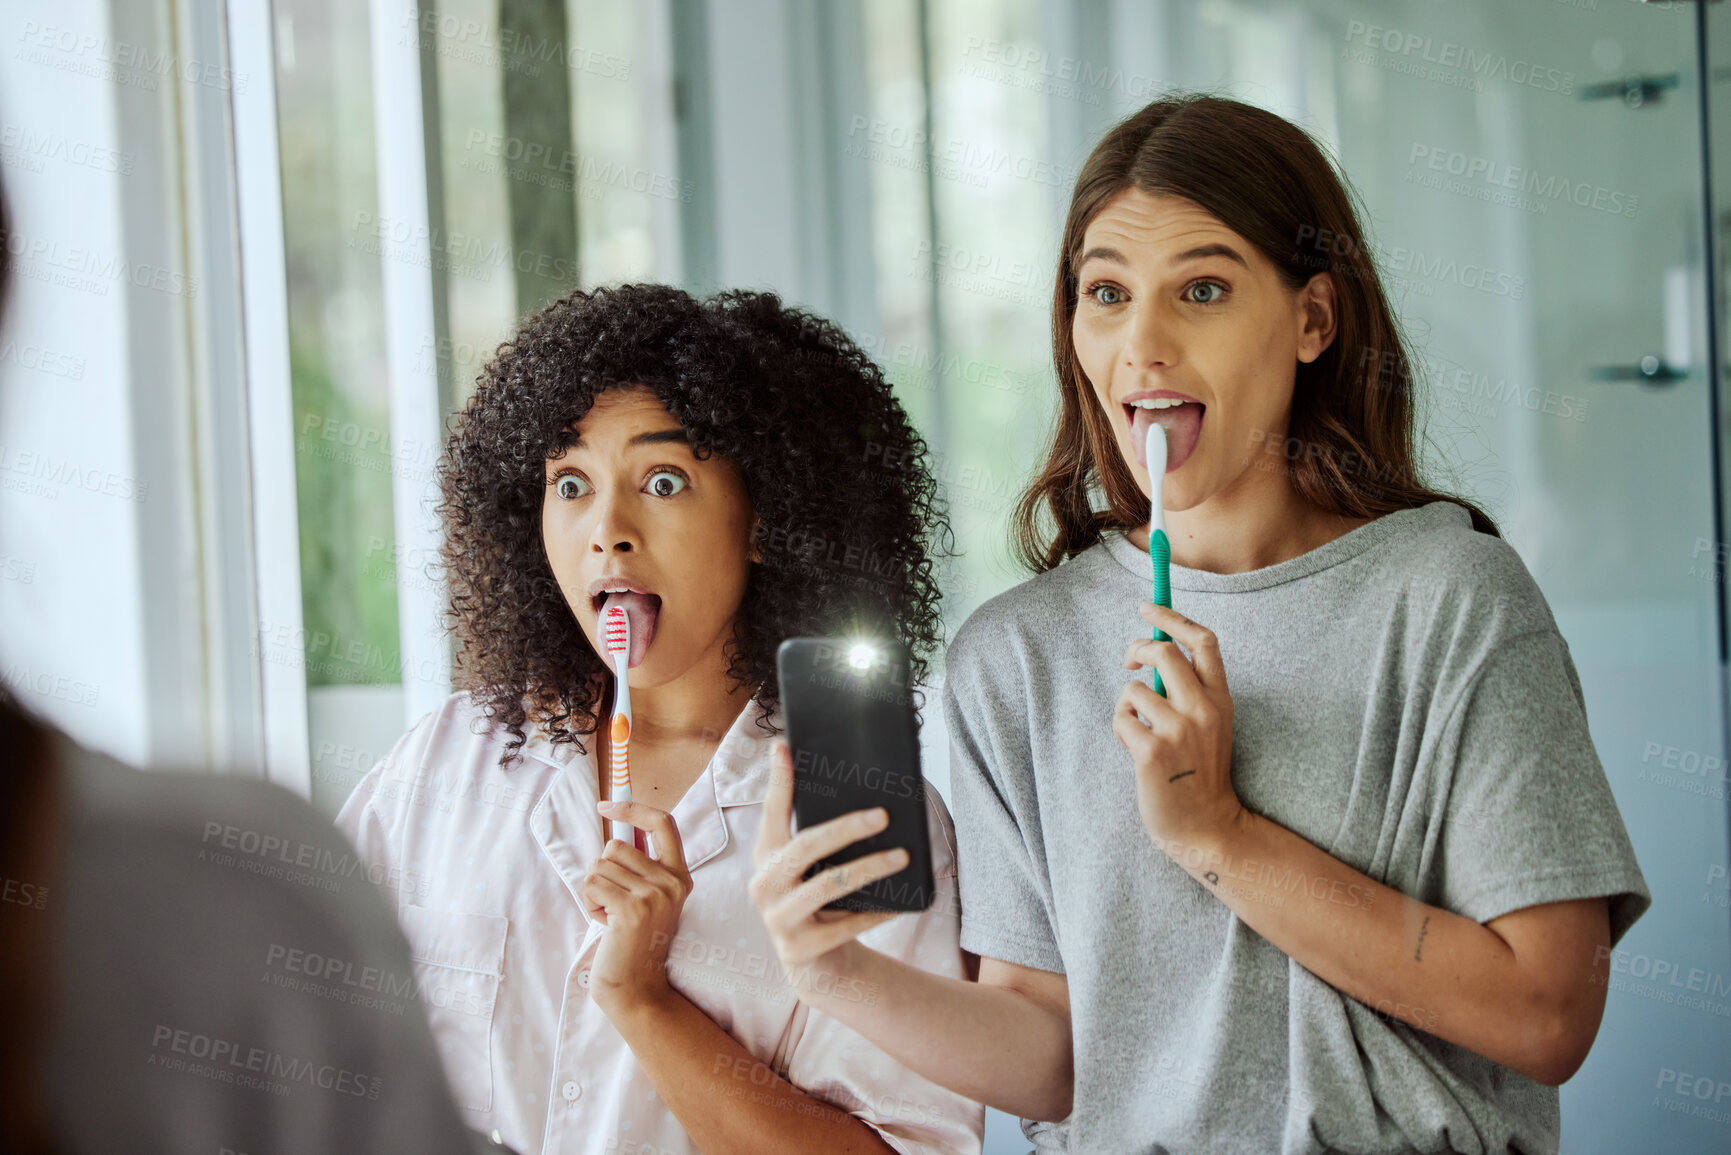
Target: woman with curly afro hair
(731, 473)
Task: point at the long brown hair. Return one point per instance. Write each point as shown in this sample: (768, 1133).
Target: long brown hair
(1352, 407)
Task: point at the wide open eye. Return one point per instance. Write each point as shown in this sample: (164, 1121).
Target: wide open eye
(569, 486)
(665, 483)
(1214, 289)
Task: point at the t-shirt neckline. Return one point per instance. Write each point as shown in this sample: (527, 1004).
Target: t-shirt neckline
(1435, 514)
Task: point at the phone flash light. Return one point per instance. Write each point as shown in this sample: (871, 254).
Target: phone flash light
(860, 656)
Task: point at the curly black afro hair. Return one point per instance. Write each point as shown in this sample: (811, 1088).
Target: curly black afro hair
(849, 515)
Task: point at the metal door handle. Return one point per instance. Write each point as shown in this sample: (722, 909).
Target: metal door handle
(1650, 370)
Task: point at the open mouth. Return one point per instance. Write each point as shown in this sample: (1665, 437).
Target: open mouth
(642, 611)
(1181, 417)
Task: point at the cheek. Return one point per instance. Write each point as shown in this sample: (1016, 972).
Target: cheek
(1250, 411)
(1276, 360)
(551, 539)
(1267, 375)
(562, 542)
(713, 555)
(1094, 349)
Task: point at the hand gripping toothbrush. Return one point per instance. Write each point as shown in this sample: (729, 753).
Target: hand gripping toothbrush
(616, 640)
(1159, 546)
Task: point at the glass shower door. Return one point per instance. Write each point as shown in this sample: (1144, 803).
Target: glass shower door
(1535, 182)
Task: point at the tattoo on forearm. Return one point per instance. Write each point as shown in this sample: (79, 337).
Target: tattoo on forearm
(1418, 952)
(1185, 774)
(1213, 879)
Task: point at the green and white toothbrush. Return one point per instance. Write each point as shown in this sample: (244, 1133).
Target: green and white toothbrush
(1159, 546)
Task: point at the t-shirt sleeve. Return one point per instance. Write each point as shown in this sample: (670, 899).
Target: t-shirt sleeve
(1005, 888)
(1529, 816)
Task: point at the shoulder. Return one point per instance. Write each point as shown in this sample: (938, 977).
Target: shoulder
(155, 809)
(455, 755)
(1026, 618)
(209, 840)
(1440, 568)
(170, 882)
(460, 737)
(459, 724)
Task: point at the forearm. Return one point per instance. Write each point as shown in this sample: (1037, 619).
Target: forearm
(988, 1043)
(1434, 969)
(721, 1094)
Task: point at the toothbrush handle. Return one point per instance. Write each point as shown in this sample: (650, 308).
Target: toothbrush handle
(622, 830)
(1160, 553)
(621, 791)
(625, 832)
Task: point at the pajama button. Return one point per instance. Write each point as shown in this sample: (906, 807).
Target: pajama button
(583, 978)
(571, 1091)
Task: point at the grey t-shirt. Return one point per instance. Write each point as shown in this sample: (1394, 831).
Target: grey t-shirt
(1403, 700)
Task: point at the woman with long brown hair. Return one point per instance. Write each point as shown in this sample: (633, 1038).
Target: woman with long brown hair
(1360, 899)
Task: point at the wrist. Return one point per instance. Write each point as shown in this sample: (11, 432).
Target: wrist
(1203, 847)
(643, 1000)
(1233, 830)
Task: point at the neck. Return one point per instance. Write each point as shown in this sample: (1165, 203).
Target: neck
(1257, 521)
(698, 706)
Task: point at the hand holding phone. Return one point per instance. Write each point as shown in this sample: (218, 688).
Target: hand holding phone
(849, 712)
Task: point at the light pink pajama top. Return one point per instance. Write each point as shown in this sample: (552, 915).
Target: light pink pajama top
(485, 863)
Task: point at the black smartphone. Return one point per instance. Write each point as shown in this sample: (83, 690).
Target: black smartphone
(849, 711)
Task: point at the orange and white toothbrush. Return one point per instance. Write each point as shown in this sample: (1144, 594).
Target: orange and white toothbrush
(616, 640)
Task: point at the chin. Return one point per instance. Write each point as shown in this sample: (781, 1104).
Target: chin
(653, 671)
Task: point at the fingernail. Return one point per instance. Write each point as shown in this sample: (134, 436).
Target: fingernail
(898, 857)
(879, 817)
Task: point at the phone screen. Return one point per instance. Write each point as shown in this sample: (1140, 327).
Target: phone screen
(851, 727)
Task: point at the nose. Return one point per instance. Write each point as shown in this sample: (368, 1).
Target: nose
(614, 530)
(1148, 341)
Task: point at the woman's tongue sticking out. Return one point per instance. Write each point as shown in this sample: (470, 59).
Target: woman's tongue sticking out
(642, 610)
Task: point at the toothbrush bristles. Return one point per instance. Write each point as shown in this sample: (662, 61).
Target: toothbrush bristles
(616, 633)
(1154, 451)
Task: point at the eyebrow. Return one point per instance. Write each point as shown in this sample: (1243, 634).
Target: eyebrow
(662, 437)
(1100, 252)
(676, 435)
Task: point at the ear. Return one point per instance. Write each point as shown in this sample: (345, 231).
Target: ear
(1317, 318)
